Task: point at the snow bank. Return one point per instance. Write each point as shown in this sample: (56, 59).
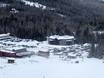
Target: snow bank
(61, 37)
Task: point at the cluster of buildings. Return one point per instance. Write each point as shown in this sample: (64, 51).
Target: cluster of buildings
(22, 52)
(16, 52)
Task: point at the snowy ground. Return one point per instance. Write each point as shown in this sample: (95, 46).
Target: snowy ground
(38, 67)
(63, 62)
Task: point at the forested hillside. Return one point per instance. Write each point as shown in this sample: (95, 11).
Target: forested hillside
(61, 17)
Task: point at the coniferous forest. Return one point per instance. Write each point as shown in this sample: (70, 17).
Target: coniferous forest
(69, 17)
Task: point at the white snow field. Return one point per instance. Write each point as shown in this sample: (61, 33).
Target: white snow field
(38, 67)
(64, 61)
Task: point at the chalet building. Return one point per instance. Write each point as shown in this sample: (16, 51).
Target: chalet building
(22, 52)
(61, 40)
(43, 53)
(5, 53)
(5, 36)
(15, 53)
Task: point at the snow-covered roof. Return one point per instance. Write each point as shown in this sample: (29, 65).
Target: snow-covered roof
(3, 35)
(44, 50)
(61, 37)
(61, 15)
(7, 51)
(11, 58)
(18, 48)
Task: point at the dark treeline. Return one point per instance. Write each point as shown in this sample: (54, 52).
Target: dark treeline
(36, 23)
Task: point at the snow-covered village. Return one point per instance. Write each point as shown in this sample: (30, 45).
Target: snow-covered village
(51, 38)
(26, 58)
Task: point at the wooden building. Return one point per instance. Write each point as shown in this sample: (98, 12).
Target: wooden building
(61, 40)
(15, 53)
(11, 60)
(44, 53)
(5, 36)
(5, 53)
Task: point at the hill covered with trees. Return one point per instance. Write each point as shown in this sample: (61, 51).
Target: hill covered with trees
(61, 17)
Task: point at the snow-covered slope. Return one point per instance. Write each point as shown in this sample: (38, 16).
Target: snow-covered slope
(35, 4)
